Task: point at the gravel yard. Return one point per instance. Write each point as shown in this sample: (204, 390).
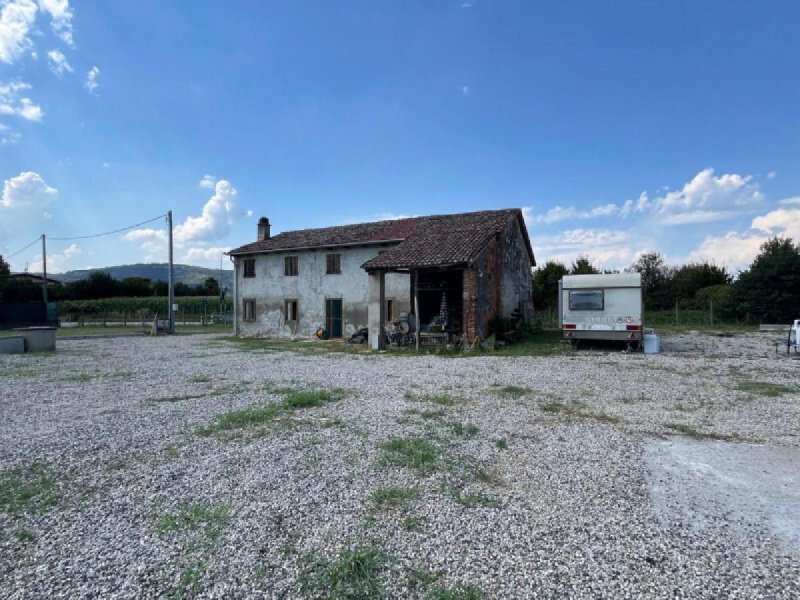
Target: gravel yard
(193, 466)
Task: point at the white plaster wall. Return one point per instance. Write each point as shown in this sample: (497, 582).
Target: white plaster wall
(270, 288)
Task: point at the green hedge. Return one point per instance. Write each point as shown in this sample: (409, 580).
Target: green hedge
(132, 306)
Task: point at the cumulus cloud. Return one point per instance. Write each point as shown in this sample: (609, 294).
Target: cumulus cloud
(61, 18)
(736, 250)
(91, 79)
(218, 214)
(206, 256)
(208, 182)
(153, 241)
(609, 249)
(57, 262)
(13, 103)
(25, 200)
(58, 63)
(793, 200)
(16, 21)
(560, 213)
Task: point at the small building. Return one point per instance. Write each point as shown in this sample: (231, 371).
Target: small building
(457, 272)
(33, 278)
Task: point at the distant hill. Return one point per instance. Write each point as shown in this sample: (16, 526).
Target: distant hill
(154, 272)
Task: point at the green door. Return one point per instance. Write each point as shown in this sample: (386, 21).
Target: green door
(333, 317)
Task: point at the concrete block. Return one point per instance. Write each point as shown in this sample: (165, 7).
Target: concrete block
(38, 339)
(12, 345)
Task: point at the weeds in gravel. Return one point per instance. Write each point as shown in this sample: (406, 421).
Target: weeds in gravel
(24, 535)
(420, 579)
(501, 444)
(576, 412)
(414, 524)
(682, 428)
(189, 580)
(689, 431)
(469, 430)
(208, 518)
(440, 399)
(470, 499)
(414, 453)
(461, 592)
(80, 377)
(31, 489)
(764, 388)
(354, 575)
(19, 372)
(512, 391)
(394, 497)
(261, 415)
(200, 379)
(169, 399)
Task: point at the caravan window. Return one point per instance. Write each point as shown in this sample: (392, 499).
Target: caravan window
(586, 300)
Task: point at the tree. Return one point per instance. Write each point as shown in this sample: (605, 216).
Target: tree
(5, 268)
(582, 266)
(211, 287)
(545, 284)
(770, 288)
(101, 285)
(655, 279)
(687, 280)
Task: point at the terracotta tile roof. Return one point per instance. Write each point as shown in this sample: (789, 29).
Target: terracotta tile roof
(438, 240)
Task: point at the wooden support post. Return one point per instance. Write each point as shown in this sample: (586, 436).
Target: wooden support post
(416, 306)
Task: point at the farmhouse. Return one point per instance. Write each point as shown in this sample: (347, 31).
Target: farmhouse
(459, 271)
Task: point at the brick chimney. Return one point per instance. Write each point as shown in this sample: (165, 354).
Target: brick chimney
(263, 229)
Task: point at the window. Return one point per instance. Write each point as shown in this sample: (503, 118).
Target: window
(390, 309)
(290, 310)
(248, 309)
(249, 267)
(290, 266)
(586, 300)
(334, 264)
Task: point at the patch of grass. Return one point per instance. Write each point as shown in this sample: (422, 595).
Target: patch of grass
(421, 578)
(764, 388)
(512, 391)
(189, 581)
(261, 415)
(548, 342)
(168, 399)
(461, 592)
(197, 516)
(469, 430)
(171, 452)
(80, 378)
(433, 414)
(555, 407)
(501, 444)
(471, 499)
(310, 398)
(441, 399)
(355, 574)
(24, 535)
(414, 524)
(394, 497)
(576, 412)
(200, 379)
(414, 453)
(682, 428)
(30, 489)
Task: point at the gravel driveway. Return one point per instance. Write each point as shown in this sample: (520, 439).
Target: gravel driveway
(199, 467)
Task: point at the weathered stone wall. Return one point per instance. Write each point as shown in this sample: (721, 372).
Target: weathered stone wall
(270, 288)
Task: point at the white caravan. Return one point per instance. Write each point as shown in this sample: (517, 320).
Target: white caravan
(602, 307)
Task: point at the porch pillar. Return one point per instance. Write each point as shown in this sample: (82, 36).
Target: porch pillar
(376, 309)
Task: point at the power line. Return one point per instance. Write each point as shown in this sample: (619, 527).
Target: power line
(84, 237)
(25, 248)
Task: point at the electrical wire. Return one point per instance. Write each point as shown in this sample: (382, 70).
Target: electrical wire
(84, 237)
(38, 239)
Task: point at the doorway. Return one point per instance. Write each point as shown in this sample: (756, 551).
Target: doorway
(333, 317)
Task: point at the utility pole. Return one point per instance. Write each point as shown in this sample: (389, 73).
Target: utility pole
(44, 270)
(170, 279)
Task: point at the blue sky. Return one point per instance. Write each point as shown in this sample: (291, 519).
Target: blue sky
(618, 126)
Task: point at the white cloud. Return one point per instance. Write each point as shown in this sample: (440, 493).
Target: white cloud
(58, 63)
(792, 200)
(772, 175)
(8, 136)
(56, 262)
(206, 256)
(61, 15)
(527, 215)
(106, 165)
(16, 20)
(24, 202)
(207, 182)
(91, 79)
(706, 192)
(560, 213)
(468, 4)
(464, 89)
(12, 104)
(153, 242)
(737, 250)
(219, 213)
(695, 216)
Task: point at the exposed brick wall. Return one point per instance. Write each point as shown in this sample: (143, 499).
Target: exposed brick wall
(470, 304)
